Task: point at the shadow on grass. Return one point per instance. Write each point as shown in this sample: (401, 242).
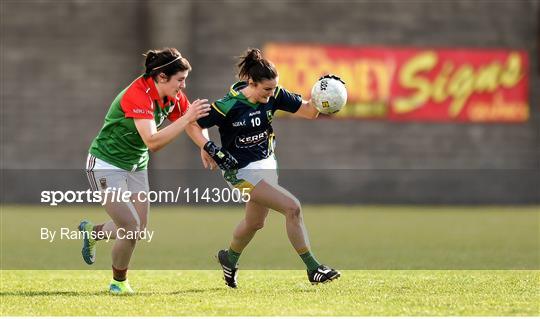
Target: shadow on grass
(51, 293)
(197, 291)
(102, 293)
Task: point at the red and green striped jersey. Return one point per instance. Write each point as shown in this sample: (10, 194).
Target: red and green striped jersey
(118, 142)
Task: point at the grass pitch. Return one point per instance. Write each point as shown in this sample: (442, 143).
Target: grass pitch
(345, 237)
(273, 293)
(395, 261)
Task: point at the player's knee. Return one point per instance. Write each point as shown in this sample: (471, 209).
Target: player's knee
(129, 231)
(140, 234)
(256, 225)
(293, 210)
(129, 227)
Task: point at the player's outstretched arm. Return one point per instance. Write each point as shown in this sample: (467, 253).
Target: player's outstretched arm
(307, 110)
(156, 140)
(198, 135)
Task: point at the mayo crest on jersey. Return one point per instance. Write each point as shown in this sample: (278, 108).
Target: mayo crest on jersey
(244, 127)
(118, 142)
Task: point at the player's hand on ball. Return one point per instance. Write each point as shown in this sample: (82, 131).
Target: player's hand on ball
(197, 109)
(223, 159)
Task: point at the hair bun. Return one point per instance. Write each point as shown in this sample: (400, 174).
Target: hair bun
(255, 54)
(254, 66)
(151, 58)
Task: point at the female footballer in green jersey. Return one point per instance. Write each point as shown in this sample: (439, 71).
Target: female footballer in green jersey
(118, 156)
(244, 118)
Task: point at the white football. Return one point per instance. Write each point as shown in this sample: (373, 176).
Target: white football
(329, 95)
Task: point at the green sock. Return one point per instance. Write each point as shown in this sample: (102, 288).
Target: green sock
(233, 256)
(310, 261)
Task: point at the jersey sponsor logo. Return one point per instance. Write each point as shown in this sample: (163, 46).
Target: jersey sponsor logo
(269, 116)
(239, 123)
(254, 113)
(244, 141)
(141, 111)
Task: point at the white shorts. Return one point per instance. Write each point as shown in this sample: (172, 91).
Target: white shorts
(248, 177)
(102, 175)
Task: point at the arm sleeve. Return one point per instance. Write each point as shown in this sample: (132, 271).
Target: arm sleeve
(287, 101)
(215, 117)
(137, 106)
(180, 107)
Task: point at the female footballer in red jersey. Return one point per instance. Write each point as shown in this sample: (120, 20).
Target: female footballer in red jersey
(247, 158)
(118, 156)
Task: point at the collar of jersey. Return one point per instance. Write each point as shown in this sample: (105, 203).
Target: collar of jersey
(152, 91)
(236, 94)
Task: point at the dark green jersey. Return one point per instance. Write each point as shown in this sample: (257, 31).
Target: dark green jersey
(245, 128)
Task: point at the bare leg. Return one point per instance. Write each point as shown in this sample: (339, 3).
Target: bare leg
(246, 229)
(124, 215)
(142, 208)
(279, 199)
(110, 229)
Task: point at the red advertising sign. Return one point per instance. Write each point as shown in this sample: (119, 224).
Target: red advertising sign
(412, 84)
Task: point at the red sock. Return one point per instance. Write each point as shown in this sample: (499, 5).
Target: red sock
(98, 231)
(119, 274)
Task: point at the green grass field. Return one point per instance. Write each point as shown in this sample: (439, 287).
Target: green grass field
(437, 261)
(273, 293)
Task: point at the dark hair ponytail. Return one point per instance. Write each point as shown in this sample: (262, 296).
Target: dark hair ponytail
(253, 66)
(168, 61)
